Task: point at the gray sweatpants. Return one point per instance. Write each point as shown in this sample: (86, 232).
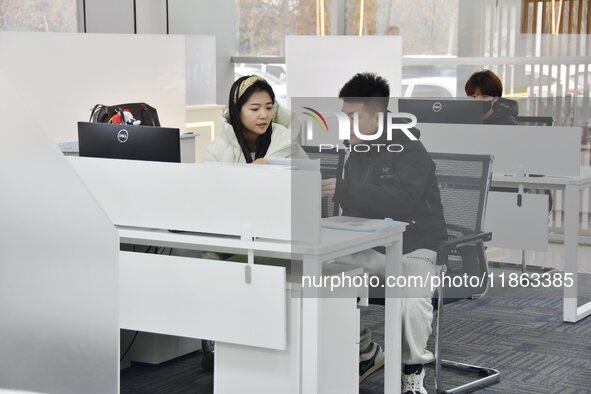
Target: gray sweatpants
(417, 311)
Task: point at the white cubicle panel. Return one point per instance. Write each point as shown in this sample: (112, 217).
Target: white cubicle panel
(198, 298)
(517, 227)
(59, 329)
(63, 75)
(216, 198)
(320, 66)
(516, 149)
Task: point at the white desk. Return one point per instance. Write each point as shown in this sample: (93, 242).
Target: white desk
(142, 196)
(333, 245)
(572, 312)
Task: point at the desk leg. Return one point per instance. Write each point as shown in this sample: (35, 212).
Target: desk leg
(571, 311)
(310, 328)
(392, 329)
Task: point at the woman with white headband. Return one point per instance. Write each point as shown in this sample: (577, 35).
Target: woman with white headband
(249, 134)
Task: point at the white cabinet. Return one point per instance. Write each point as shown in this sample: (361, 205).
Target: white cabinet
(250, 369)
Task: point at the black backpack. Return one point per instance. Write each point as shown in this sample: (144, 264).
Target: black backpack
(140, 111)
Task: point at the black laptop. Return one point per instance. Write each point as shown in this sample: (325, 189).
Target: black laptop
(116, 141)
(464, 111)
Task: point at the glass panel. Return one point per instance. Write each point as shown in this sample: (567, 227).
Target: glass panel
(273, 73)
(263, 24)
(427, 27)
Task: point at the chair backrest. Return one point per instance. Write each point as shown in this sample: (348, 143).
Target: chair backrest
(464, 181)
(535, 120)
(331, 166)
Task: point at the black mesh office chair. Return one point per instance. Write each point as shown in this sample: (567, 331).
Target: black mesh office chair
(535, 120)
(464, 182)
(331, 166)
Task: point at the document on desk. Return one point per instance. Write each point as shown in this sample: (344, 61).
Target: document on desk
(350, 223)
(296, 164)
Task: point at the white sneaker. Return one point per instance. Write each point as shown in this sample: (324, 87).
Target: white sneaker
(413, 383)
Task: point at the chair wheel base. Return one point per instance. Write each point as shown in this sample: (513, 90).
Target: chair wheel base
(488, 377)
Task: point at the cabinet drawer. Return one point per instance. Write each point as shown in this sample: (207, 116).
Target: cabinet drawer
(200, 298)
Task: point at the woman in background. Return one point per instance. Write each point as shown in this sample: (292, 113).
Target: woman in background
(249, 134)
(485, 85)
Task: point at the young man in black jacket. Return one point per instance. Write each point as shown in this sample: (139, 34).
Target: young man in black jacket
(389, 182)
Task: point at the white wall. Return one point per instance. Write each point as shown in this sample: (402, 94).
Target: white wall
(112, 16)
(205, 17)
(151, 16)
(188, 17)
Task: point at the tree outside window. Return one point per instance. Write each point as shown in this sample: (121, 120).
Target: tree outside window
(38, 15)
(263, 24)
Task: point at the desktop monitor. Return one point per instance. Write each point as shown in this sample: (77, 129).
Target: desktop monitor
(116, 141)
(444, 111)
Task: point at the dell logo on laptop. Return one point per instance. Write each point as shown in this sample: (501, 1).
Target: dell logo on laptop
(122, 135)
(437, 106)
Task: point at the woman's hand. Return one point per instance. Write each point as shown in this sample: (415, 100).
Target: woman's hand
(260, 161)
(328, 187)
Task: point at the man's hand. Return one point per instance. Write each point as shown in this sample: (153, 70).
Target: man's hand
(260, 161)
(328, 187)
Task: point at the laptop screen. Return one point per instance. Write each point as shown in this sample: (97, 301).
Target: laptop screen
(114, 141)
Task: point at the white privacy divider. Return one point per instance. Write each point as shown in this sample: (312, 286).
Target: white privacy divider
(516, 149)
(63, 75)
(230, 199)
(59, 328)
(320, 66)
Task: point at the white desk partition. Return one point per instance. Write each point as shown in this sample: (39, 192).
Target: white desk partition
(204, 197)
(63, 75)
(517, 149)
(320, 66)
(59, 330)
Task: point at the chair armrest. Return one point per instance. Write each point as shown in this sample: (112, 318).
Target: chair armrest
(445, 247)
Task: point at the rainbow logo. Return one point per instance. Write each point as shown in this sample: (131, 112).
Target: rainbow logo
(317, 117)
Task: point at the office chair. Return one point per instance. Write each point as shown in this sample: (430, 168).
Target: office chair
(331, 166)
(464, 182)
(535, 120)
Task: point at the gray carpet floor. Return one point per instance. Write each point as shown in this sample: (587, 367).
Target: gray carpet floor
(518, 331)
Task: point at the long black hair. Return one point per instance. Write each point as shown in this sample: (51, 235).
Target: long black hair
(235, 105)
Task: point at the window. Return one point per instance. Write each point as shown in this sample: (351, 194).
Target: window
(562, 17)
(426, 26)
(263, 24)
(38, 15)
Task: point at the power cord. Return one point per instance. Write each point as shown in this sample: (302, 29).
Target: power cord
(130, 345)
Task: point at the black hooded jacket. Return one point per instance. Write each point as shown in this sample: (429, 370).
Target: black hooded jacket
(402, 186)
(504, 112)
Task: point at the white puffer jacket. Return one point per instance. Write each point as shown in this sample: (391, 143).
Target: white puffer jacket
(225, 147)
